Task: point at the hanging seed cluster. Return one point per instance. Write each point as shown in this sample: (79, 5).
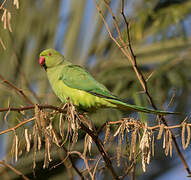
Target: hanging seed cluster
(142, 139)
(44, 134)
(131, 139)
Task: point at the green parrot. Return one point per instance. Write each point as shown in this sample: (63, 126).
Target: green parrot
(73, 82)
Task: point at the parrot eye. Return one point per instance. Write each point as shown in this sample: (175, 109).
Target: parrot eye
(49, 54)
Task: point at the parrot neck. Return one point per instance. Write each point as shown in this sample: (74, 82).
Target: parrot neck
(62, 61)
(54, 73)
(59, 63)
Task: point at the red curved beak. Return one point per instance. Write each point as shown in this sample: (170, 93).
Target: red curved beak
(41, 60)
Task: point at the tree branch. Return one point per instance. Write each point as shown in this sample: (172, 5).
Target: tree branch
(17, 126)
(101, 149)
(14, 170)
(127, 50)
(20, 91)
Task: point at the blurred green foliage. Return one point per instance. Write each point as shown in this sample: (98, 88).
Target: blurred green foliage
(160, 35)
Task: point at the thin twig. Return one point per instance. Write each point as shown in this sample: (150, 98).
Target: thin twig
(101, 149)
(61, 110)
(69, 155)
(128, 52)
(20, 91)
(96, 165)
(17, 126)
(45, 106)
(90, 132)
(2, 5)
(85, 161)
(14, 170)
(132, 165)
(21, 71)
(144, 85)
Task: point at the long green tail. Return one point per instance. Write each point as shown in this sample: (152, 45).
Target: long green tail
(123, 105)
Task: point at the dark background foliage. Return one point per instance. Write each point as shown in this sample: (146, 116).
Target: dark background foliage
(160, 33)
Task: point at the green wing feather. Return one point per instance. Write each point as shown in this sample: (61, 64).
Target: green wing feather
(76, 77)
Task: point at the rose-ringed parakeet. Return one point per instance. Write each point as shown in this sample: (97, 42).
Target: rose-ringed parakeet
(73, 82)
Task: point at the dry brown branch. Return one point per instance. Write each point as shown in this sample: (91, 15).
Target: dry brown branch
(134, 123)
(23, 76)
(96, 166)
(107, 26)
(2, 44)
(69, 156)
(31, 107)
(20, 91)
(17, 126)
(87, 130)
(125, 124)
(85, 161)
(42, 123)
(127, 50)
(3, 3)
(61, 110)
(101, 149)
(131, 166)
(14, 170)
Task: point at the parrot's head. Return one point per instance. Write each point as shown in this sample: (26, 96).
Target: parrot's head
(50, 58)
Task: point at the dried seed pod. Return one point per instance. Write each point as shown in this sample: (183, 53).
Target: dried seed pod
(2, 44)
(38, 116)
(164, 140)
(36, 110)
(47, 157)
(48, 152)
(43, 120)
(35, 145)
(6, 115)
(133, 141)
(153, 144)
(87, 144)
(61, 125)
(168, 146)
(160, 131)
(39, 142)
(117, 131)
(55, 138)
(170, 141)
(133, 144)
(183, 135)
(145, 148)
(107, 133)
(75, 137)
(27, 140)
(16, 3)
(4, 18)
(16, 147)
(9, 21)
(123, 126)
(119, 146)
(13, 148)
(188, 135)
(127, 144)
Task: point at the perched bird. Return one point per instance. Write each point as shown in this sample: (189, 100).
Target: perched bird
(73, 82)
